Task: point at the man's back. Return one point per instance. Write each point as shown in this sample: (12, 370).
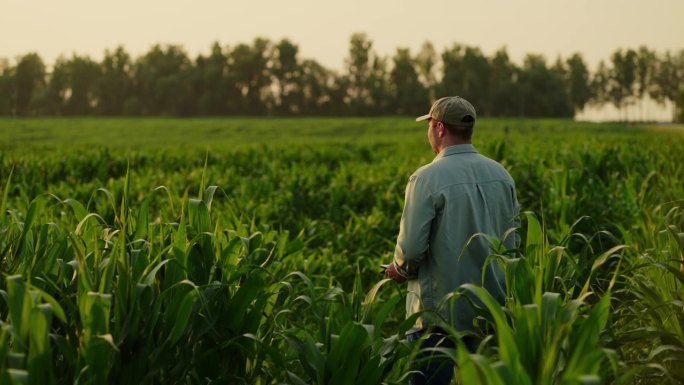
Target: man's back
(460, 194)
(452, 205)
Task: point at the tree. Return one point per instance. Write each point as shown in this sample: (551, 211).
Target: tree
(73, 87)
(542, 90)
(83, 75)
(452, 67)
(466, 73)
(211, 83)
(668, 78)
(577, 80)
(162, 83)
(599, 84)
(476, 75)
(622, 80)
(56, 91)
(249, 71)
(426, 62)
(379, 87)
(29, 83)
(644, 71)
(315, 86)
(287, 72)
(338, 102)
(7, 83)
(502, 85)
(408, 94)
(115, 85)
(240, 78)
(679, 103)
(366, 72)
(264, 78)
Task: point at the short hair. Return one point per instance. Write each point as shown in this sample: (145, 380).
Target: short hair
(462, 132)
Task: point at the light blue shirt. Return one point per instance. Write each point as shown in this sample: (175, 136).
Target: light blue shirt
(460, 194)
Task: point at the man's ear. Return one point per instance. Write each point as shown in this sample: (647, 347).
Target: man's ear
(441, 129)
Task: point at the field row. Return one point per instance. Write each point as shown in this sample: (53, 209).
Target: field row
(256, 261)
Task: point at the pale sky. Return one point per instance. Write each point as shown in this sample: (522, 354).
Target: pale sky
(322, 29)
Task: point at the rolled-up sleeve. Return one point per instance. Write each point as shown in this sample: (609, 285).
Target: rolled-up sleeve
(414, 228)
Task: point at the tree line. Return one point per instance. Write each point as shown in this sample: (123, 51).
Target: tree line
(269, 78)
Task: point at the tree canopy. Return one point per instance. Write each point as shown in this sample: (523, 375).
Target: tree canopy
(269, 78)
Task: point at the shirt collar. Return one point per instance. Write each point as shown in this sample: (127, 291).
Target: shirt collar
(456, 149)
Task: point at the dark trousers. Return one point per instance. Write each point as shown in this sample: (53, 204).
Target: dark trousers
(435, 368)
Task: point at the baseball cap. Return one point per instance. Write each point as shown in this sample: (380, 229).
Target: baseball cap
(452, 110)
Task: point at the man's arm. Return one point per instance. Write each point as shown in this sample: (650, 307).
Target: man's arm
(414, 231)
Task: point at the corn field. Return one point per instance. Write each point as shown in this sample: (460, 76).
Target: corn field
(248, 252)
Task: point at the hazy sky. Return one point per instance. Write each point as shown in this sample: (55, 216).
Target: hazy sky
(322, 28)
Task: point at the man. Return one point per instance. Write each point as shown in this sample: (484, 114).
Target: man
(449, 204)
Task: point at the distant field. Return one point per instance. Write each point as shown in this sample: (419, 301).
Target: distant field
(230, 133)
(201, 133)
(150, 251)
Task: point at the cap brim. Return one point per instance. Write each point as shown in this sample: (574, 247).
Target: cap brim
(424, 117)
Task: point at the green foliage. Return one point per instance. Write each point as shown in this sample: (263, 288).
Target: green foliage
(578, 82)
(680, 105)
(30, 78)
(407, 92)
(268, 78)
(258, 261)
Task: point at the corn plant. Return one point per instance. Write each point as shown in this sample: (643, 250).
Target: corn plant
(550, 329)
(650, 322)
(257, 262)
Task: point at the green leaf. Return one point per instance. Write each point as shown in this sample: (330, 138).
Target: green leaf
(310, 357)
(535, 241)
(385, 310)
(249, 289)
(39, 362)
(295, 379)
(94, 313)
(585, 355)
(150, 278)
(79, 211)
(520, 280)
(5, 193)
(371, 370)
(142, 224)
(24, 245)
(19, 303)
(56, 308)
(345, 356)
(182, 317)
(15, 377)
(198, 213)
(529, 338)
(209, 195)
(510, 354)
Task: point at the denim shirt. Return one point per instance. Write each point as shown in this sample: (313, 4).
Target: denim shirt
(450, 205)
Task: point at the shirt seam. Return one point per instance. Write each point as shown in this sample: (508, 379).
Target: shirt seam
(426, 184)
(471, 183)
(466, 150)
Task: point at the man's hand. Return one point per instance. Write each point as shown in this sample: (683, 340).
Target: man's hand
(392, 273)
